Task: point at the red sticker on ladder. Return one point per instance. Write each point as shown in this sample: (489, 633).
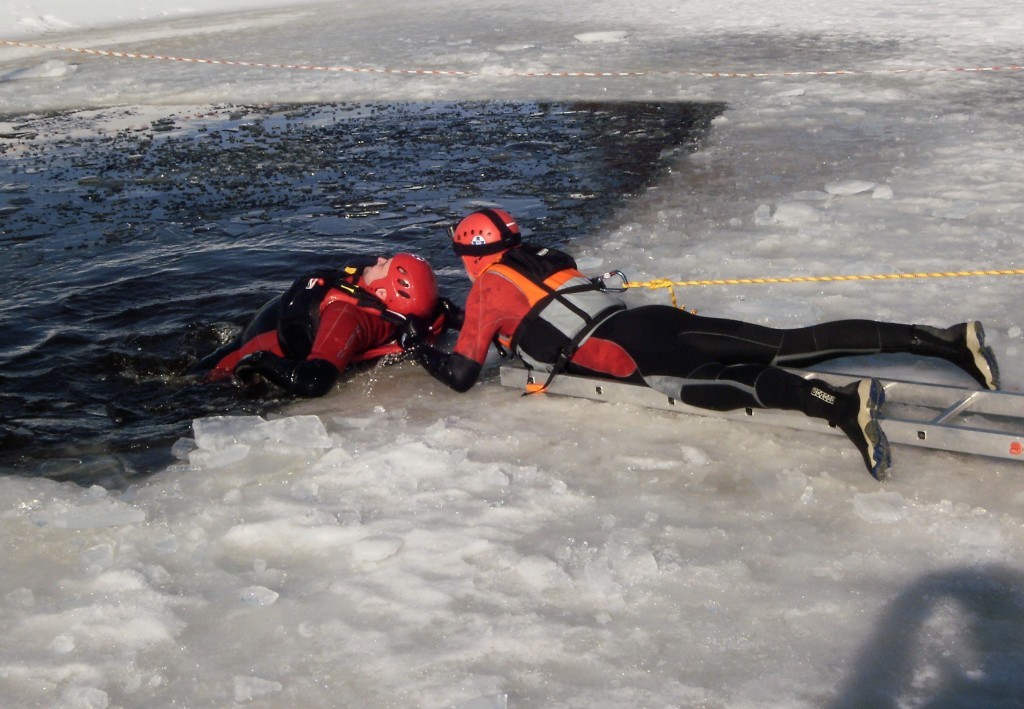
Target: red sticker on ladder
(1016, 448)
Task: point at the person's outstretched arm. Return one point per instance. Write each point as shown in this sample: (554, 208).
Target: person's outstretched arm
(456, 371)
(307, 378)
(492, 305)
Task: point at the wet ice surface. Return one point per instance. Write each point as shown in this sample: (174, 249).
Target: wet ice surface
(380, 549)
(486, 550)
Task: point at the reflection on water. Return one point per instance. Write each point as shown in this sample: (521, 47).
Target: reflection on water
(135, 244)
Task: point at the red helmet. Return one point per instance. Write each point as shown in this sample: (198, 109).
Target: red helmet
(485, 232)
(411, 289)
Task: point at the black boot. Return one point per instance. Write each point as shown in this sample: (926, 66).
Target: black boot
(963, 345)
(854, 410)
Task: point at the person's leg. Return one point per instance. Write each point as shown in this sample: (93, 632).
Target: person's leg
(734, 342)
(853, 408)
(694, 377)
(962, 344)
(737, 342)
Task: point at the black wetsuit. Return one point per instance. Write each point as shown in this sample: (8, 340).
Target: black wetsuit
(722, 364)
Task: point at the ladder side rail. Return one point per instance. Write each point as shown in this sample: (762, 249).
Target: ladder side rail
(936, 433)
(955, 439)
(983, 401)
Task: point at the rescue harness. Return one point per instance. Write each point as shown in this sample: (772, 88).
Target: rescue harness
(565, 307)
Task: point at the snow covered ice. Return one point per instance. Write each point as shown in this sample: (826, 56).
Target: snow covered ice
(396, 544)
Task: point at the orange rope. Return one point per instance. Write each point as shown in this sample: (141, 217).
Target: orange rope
(512, 72)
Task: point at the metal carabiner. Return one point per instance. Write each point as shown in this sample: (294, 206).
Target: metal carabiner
(623, 282)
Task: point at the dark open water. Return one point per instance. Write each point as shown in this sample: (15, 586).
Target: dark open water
(132, 246)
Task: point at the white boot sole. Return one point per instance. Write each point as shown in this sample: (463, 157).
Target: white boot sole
(872, 395)
(984, 358)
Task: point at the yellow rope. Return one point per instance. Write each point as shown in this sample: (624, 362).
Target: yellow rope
(665, 283)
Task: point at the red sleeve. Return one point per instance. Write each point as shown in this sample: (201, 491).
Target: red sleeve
(494, 306)
(264, 342)
(347, 330)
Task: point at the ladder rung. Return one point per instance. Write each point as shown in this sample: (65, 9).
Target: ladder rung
(955, 409)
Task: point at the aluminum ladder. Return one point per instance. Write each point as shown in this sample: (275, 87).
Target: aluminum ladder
(938, 416)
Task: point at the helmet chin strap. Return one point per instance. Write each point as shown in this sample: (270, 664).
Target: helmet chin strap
(367, 283)
(371, 287)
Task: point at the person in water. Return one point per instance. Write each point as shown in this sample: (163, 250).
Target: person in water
(533, 302)
(304, 339)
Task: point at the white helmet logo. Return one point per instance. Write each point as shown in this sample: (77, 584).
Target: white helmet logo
(478, 240)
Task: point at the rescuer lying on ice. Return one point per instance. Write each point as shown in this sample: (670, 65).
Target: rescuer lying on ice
(533, 302)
